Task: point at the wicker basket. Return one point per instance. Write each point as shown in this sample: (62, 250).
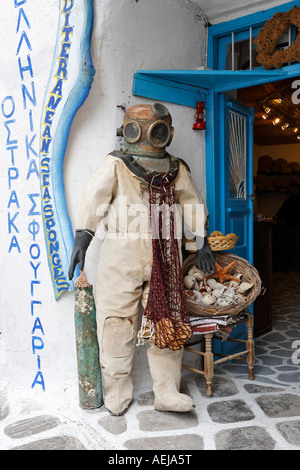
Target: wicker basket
(249, 274)
(225, 242)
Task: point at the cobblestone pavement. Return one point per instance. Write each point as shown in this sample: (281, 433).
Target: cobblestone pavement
(263, 414)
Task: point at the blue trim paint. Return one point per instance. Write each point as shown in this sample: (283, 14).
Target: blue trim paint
(185, 86)
(167, 87)
(212, 168)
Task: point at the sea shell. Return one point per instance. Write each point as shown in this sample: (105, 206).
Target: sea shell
(189, 282)
(208, 299)
(218, 292)
(213, 284)
(224, 301)
(234, 283)
(230, 293)
(199, 275)
(198, 296)
(238, 298)
(190, 293)
(244, 287)
(194, 295)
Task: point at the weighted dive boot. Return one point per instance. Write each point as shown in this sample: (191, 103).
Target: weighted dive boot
(165, 369)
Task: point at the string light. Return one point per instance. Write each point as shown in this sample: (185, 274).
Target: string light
(267, 109)
(278, 119)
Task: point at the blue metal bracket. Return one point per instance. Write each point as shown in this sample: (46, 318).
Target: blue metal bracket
(184, 87)
(167, 87)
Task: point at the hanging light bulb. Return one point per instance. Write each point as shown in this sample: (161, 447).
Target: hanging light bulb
(278, 100)
(267, 109)
(285, 126)
(295, 129)
(276, 121)
(265, 116)
(298, 137)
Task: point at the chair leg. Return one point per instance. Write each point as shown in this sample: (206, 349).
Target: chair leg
(208, 363)
(250, 346)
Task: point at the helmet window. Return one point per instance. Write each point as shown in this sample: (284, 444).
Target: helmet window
(159, 134)
(132, 132)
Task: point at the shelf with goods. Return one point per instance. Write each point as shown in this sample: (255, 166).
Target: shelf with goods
(276, 175)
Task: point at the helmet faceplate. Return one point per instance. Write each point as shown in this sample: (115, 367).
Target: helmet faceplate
(147, 130)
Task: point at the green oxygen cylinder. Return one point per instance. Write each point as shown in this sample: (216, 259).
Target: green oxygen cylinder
(89, 372)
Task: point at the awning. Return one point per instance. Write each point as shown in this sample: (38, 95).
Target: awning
(185, 87)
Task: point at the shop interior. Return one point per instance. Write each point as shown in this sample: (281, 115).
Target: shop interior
(276, 135)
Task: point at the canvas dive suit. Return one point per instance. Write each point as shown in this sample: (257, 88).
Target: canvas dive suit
(118, 195)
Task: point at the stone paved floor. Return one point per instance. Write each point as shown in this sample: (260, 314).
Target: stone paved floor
(263, 414)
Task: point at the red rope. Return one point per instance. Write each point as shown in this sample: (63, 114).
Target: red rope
(166, 306)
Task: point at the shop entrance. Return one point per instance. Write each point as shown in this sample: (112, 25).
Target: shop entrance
(276, 205)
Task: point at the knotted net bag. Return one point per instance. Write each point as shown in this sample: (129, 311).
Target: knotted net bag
(166, 306)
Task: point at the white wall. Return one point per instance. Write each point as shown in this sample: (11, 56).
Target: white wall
(128, 35)
(218, 11)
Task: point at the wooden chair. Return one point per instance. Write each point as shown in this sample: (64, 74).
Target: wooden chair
(247, 354)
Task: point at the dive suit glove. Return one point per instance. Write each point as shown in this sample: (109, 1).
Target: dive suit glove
(82, 241)
(206, 261)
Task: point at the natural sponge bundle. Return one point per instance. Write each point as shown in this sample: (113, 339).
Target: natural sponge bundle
(269, 36)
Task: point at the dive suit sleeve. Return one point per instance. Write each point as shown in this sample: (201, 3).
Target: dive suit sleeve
(96, 199)
(98, 195)
(193, 209)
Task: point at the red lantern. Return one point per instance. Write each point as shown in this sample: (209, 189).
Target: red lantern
(200, 123)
